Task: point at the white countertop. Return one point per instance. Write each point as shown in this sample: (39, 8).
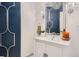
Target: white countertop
(56, 39)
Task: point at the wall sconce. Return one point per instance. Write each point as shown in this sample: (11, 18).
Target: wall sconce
(70, 7)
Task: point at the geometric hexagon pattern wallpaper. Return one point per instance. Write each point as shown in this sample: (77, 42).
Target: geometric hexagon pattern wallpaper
(10, 29)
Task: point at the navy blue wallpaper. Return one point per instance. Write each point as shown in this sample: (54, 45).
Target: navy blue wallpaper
(10, 29)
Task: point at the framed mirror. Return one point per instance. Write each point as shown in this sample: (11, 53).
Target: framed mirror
(53, 10)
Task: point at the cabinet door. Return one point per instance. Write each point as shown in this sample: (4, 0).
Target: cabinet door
(39, 49)
(53, 51)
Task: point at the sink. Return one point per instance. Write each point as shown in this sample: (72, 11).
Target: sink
(53, 39)
(49, 37)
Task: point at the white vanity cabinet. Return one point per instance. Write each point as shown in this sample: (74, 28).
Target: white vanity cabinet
(51, 48)
(39, 49)
(53, 51)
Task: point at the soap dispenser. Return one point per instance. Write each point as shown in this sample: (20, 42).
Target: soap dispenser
(65, 35)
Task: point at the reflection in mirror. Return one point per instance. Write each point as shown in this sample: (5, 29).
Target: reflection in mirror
(53, 17)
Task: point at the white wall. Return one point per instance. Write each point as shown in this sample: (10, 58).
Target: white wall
(40, 11)
(73, 27)
(31, 16)
(27, 28)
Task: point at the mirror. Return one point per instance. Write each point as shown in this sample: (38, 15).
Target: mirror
(53, 10)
